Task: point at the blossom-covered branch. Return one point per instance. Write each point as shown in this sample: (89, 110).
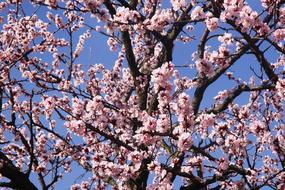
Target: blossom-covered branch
(190, 95)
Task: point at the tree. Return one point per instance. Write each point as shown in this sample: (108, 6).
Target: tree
(142, 123)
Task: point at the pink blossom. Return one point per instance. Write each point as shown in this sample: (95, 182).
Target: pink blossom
(125, 15)
(112, 44)
(178, 4)
(160, 20)
(162, 75)
(278, 35)
(184, 141)
(257, 127)
(78, 106)
(52, 3)
(58, 21)
(197, 13)
(223, 164)
(93, 4)
(163, 123)
(226, 39)
(150, 123)
(204, 66)
(212, 23)
(80, 44)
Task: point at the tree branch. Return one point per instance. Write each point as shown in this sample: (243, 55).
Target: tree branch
(18, 179)
(258, 54)
(205, 82)
(235, 93)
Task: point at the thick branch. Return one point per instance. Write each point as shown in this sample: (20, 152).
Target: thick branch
(176, 171)
(235, 93)
(178, 26)
(258, 54)
(18, 179)
(204, 83)
(130, 54)
(201, 46)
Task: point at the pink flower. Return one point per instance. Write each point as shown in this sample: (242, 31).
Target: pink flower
(93, 4)
(163, 123)
(226, 39)
(112, 44)
(278, 35)
(75, 187)
(2, 5)
(197, 13)
(58, 21)
(160, 20)
(212, 23)
(204, 67)
(161, 75)
(184, 141)
(257, 127)
(78, 106)
(125, 15)
(95, 105)
(223, 164)
(150, 123)
(52, 3)
(80, 44)
(280, 87)
(178, 4)
(268, 3)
